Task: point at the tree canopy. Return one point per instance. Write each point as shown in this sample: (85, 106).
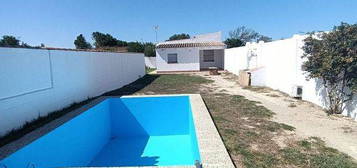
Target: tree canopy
(149, 50)
(242, 35)
(264, 38)
(332, 57)
(179, 37)
(136, 47)
(9, 41)
(81, 42)
(106, 40)
(233, 42)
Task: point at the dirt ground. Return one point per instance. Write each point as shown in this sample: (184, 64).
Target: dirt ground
(308, 119)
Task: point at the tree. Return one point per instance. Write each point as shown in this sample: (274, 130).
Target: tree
(81, 43)
(9, 41)
(332, 57)
(149, 50)
(104, 40)
(264, 38)
(233, 42)
(244, 34)
(179, 37)
(122, 43)
(136, 47)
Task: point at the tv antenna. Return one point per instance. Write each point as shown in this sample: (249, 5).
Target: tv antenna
(156, 28)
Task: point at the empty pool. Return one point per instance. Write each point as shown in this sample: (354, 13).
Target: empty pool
(131, 131)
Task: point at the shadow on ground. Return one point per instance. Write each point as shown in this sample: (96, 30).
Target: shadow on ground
(133, 87)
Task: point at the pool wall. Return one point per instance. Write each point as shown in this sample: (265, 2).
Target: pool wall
(83, 141)
(85, 135)
(134, 117)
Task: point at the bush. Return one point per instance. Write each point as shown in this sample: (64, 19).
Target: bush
(332, 57)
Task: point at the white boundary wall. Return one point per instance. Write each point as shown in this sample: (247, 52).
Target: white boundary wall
(150, 62)
(34, 82)
(277, 65)
(235, 59)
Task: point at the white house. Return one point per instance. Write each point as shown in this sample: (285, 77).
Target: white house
(194, 54)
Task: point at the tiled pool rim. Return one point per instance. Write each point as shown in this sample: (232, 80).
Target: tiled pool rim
(212, 150)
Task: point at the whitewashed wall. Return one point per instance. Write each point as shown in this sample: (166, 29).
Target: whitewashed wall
(235, 59)
(34, 82)
(278, 66)
(187, 58)
(150, 62)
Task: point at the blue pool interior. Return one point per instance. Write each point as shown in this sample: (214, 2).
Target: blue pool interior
(133, 131)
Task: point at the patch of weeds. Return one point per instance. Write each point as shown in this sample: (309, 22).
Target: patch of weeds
(332, 161)
(287, 127)
(275, 127)
(251, 108)
(292, 105)
(294, 156)
(223, 90)
(347, 129)
(181, 79)
(258, 159)
(313, 152)
(229, 131)
(251, 134)
(258, 89)
(305, 144)
(149, 70)
(272, 95)
(220, 119)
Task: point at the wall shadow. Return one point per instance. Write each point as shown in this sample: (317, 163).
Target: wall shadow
(134, 86)
(123, 123)
(321, 92)
(349, 107)
(128, 140)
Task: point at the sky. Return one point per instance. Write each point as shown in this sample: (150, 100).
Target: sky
(56, 23)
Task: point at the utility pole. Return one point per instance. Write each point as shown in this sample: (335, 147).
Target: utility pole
(156, 28)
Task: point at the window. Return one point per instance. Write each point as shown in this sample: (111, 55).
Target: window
(171, 58)
(208, 55)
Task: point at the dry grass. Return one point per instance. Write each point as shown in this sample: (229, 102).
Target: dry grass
(272, 95)
(258, 89)
(292, 105)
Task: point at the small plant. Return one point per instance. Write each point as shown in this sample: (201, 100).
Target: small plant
(149, 70)
(272, 95)
(292, 105)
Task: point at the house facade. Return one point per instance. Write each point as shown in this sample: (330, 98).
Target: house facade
(197, 53)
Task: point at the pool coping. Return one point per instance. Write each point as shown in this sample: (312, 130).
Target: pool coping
(211, 147)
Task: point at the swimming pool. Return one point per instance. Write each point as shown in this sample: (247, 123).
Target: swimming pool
(130, 131)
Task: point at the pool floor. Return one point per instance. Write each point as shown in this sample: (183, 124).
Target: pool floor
(145, 151)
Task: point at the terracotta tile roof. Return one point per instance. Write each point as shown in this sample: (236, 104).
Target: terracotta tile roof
(179, 44)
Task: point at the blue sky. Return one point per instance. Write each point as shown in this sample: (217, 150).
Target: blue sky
(56, 23)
